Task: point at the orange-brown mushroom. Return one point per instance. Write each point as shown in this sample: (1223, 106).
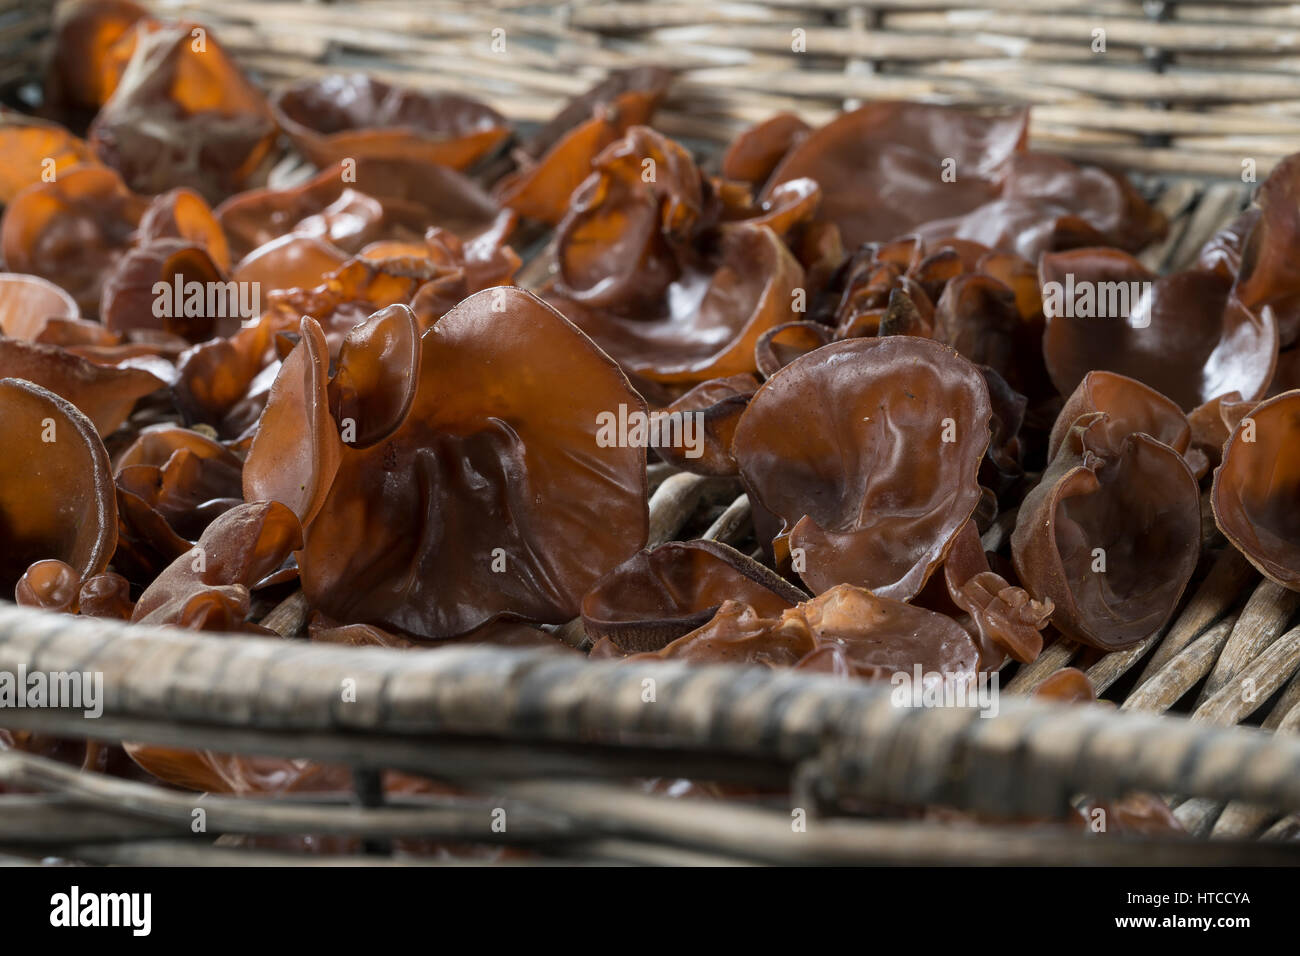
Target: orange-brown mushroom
(1187, 335)
(555, 161)
(867, 451)
(349, 116)
(207, 587)
(1111, 534)
(35, 151)
(1256, 493)
(183, 114)
(104, 393)
(86, 64)
(27, 303)
(56, 489)
(72, 231)
(656, 596)
(705, 419)
(847, 630)
(882, 167)
(493, 497)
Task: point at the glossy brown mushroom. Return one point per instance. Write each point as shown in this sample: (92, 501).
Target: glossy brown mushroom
(28, 302)
(184, 476)
(85, 66)
(493, 496)
(174, 286)
(847, 630)
(348, 116)
(1258, 244)
(72, 231)
(778, 347)
(35, 151)
(104, 394)
(296, 450)
(1130, 407)
(183, 114)
(56, 489)
(51, 585)
(1256, 493)
(183, 214)
(705, 323)
(1009, 621)
(1048, 204)
(1187, 335)
(881, 167)
(352, 204)
(867, 451)
(656, 596)
(753, 154)
(1110, 535)
(207, 587)
(708, 414)
(555, 161)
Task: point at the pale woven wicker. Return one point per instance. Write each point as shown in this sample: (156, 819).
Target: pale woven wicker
(1185, 91)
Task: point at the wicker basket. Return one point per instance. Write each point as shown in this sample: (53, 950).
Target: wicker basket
(549, 743)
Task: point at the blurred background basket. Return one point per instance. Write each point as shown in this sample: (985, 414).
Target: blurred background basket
(1183, 96)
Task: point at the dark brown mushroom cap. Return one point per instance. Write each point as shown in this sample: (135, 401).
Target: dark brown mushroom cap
(1132, 509)
(1267, 274)
(105, 394)
(200, 303)
(558, 157)
(83, 70)
(1256, 492)
(753, 154)
(1009, 621)
(633, 93)
(493, 497)
(880, 167)
(27, 303)
(656, 596)
(866, 635)
(56, 489)
(206, 588)
(290, 262)
(1047, 204)
(34, 149)
(411, 197)
(71, 231)
(181, 116)
(781, 345)
(184, 476)
(296, 449)
(849, 447)
(348, 116)
(1185, 335)
(705, 323)
(1130, 407)
(706, 419)
(1069, 685)
(184, 214)
(377, 375)
(106, 595)
(630, 223)
(51, 585)
(1222, 251)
